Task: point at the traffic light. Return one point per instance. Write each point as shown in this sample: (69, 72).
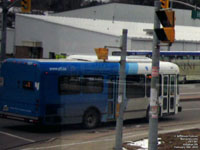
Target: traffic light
(167, 19)
(164, 3)
(26, 6)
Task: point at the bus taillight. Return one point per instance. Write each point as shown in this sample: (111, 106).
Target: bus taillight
(149, 77)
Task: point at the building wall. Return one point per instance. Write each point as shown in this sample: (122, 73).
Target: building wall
(9, 41)
(125, 12)
(105, 12)
(62, 39)
(177, 46)
(68, 40)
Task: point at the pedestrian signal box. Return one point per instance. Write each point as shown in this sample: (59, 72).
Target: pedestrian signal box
(167, 19)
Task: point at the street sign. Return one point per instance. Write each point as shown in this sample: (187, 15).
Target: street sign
(195, 14)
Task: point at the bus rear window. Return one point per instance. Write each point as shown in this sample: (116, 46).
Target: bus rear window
(69, 85)
(27, 85)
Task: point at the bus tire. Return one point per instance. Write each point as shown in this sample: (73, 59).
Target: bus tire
(91, 119)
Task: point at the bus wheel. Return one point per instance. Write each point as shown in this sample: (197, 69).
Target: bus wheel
(91, 119)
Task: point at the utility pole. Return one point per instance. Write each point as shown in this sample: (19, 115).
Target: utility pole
(3, 31)
(154, 108)
(121, 95)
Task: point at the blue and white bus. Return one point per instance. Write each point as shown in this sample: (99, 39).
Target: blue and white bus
(82, 90)
(188, 62)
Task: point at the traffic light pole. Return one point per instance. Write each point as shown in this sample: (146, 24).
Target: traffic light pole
(121, 98)
(154, 107)
(3, 31)
(5, 9)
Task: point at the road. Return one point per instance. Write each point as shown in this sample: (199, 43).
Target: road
(188, 91)
(20, 135)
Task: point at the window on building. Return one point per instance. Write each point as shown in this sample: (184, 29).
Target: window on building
(52, 55)
(35, 52)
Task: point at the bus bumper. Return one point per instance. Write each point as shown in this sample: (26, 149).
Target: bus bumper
(23, 118)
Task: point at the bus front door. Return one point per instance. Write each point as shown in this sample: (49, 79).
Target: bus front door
(112, 92)
(165, 83)
(168, 93)
(172, 93)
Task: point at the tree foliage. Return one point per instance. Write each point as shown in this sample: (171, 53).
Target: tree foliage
(64, 5)
(56, 5)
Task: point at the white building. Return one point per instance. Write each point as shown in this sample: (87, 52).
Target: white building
(41, 36)
(130, 13)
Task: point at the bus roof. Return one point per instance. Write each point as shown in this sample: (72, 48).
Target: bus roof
(93, 58)
(135, 65)
(82, 58)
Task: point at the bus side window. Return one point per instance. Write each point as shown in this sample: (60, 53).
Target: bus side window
(135, 86)
(92, 84)
(179, 57)
(148, 85)
(171, 58)
(191, 57)
(110, 88)
(69, 85)
(166, 58)
(162, 58)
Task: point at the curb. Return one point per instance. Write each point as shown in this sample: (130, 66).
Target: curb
(189, 99)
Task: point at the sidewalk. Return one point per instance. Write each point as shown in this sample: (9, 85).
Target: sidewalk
(106, 141)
